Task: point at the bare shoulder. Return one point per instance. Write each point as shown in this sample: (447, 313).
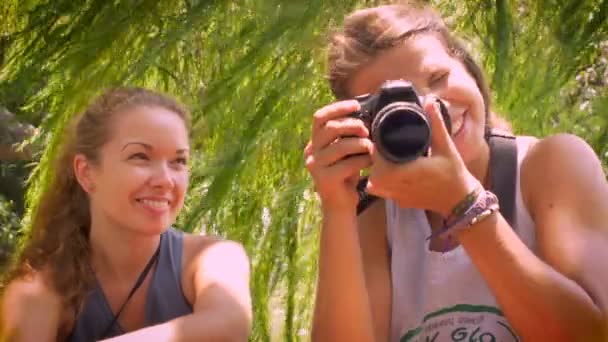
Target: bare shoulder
(556, 159)
(569, 205)
(198, 246)
(212, 256)
(30, 290)
(559, 148)
(194, 244)
(31, 309)
(561, 178)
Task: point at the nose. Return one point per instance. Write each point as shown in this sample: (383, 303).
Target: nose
(162, 177)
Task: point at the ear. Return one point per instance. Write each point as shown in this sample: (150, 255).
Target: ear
(83, 171)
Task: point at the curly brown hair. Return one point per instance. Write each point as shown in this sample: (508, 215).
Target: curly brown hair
(368, 32)
(57, 244)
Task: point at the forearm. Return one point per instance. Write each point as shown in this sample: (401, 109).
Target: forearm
(342, 308)
(538, 301)
(200, 326)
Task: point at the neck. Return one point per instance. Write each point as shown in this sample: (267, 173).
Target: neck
(118, 252)
(479, 167)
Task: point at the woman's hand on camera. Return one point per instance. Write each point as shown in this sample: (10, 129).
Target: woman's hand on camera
(336, 153)
(435, 183)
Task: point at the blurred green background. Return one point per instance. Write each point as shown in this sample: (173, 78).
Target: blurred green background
(253, 73)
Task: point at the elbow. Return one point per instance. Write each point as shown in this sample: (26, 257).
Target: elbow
(235, 327)
(220, 325)
(238, 331)
(240, 323)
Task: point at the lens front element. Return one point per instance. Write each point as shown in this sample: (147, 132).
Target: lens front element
(401, 132)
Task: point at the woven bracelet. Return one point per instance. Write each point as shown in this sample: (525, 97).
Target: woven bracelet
(485, 204)
(467, 202)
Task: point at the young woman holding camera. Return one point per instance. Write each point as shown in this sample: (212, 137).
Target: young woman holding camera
(101, 260)
(434, 259)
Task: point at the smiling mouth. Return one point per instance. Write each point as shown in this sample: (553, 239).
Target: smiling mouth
(156, 204)
(458, 124)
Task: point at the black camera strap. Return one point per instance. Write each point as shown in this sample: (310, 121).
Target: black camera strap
(138, 282)
(503, 172)
(503, 176)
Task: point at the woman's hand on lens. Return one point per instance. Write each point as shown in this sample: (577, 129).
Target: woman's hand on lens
(435, 183)
(336, 153)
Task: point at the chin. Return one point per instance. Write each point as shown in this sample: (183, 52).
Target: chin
(160, 227)
(153, 228)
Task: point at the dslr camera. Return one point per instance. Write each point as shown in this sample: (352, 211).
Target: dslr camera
(398, 125)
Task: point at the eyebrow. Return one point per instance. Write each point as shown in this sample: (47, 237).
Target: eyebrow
(146, 146)
(149, 147)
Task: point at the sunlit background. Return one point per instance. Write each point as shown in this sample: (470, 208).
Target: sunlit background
(253, 73)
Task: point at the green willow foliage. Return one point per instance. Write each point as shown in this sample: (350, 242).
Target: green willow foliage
(253, 73)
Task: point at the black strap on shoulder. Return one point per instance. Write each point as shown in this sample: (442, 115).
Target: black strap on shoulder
(503, 176)
(503, 172)
(140, 280)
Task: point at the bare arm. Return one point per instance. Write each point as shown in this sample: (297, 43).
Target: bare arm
(30, 312)
(376, 267)
(353, 293)
(354, 280)
(222, 308)
(561, 296)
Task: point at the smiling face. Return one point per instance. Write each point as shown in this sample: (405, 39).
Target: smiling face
(141, 178)
(424, 61)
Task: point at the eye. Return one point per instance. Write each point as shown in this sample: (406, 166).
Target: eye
(182, 161)
(139, 155)
(438, 77)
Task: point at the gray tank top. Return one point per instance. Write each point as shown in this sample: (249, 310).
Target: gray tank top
(442, 296)
(165, 299)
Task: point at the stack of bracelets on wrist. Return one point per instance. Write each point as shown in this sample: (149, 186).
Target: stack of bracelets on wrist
(475, 207)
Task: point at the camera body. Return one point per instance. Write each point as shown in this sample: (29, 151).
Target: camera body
(397, 123)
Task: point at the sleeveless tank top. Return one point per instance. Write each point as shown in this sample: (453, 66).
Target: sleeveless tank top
(441, 296)
(165, 299)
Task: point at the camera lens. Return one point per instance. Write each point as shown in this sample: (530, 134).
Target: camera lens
(401, 132)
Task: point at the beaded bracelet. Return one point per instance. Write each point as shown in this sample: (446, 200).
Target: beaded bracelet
(485, 204)
(466, 203)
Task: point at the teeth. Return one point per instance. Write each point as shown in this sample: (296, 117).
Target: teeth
(156, 204)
